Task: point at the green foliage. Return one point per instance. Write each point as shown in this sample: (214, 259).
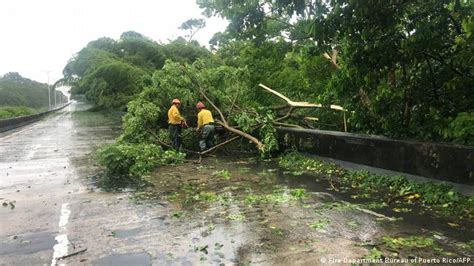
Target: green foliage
(278, 195)
(223, 174)
(461, 129)
(193, 25)
(182, 51)
(206, 196)
(299, 193)
(320, 224)
(134, 153)
(15, 111)
(408, 242)
(131, 161)
(267, 132)
(263, 118)
(112, 84)
(110, 73)
(236, 217)
(128, 160)
(142, 118)
(140, 51)
(403, 67)
(440, 195)
(374, 254)
(296, 162)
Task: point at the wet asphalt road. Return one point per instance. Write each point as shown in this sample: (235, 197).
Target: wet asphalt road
(41, 168)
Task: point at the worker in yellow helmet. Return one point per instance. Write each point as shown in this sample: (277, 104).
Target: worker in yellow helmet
(176, 122)
(205, 126)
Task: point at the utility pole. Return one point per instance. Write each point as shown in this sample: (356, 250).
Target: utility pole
(54, 91)
(49, 92)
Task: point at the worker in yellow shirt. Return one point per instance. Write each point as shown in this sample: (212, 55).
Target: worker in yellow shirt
(176, 122)
(205, 126)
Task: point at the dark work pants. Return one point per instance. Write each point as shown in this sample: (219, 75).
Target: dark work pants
(206, 140)
(175, 136)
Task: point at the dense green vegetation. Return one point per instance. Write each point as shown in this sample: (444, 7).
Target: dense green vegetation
(128, 162)
(21, 96)
(16, 90)
(110, 73)
(404, 68)
(8, 111)
(134, 154)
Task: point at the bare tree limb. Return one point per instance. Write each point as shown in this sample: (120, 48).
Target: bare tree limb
(72, 254)
(294, 104)
(332, 58)
(253, 139)
(290, 102)
(220, 145)
(285, 116)
(233, 103)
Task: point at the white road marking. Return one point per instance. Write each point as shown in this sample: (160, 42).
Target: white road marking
(61, 248)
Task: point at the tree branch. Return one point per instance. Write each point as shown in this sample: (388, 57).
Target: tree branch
(220, 145)
(286, 124)
(290, 102)
(441, 60)
(253, 139)
(233, 103)
(224, 123)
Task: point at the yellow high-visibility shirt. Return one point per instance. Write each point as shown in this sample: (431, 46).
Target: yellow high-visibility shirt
(174, 116)
(204, 117)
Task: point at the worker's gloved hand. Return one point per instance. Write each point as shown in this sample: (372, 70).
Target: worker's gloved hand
(184, 125)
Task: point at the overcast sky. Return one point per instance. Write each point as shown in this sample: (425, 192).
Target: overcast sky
(41, 35)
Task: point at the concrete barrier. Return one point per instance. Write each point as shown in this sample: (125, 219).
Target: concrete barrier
(448, 162)
(12, 123)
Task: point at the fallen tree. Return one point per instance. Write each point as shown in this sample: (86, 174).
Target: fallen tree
(144, 143)
(226, 92)
(256, 124)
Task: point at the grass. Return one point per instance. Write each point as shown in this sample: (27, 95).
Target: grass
(408, 242)
(223, 173)
(16, 111)
(321, 224)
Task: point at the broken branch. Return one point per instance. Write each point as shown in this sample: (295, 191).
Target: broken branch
(72, 254)
(220, 145)
(253, 139)
(290, 102)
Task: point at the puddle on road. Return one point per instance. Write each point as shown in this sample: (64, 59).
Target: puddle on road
(126, 232)
(242, 211)
(138, 259)
(27, 243)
